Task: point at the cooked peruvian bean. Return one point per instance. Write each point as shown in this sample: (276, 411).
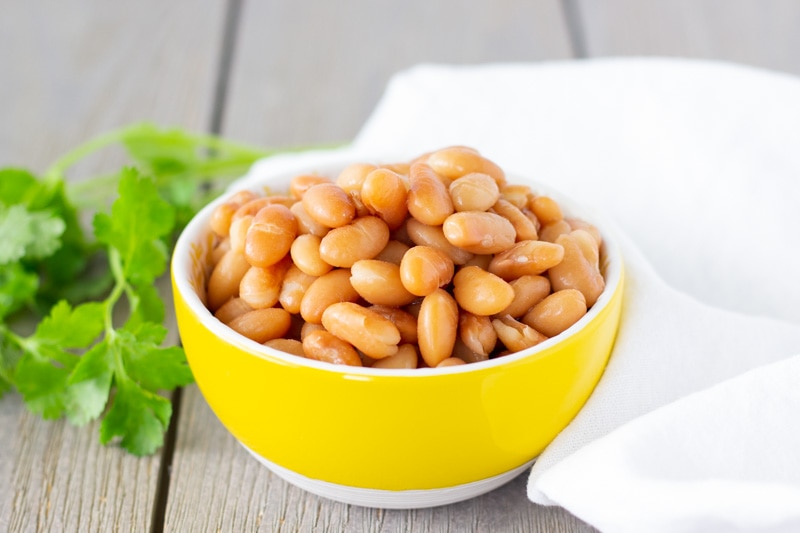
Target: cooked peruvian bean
(577, 223)
(329, 205)
(262, 325)
(523, 226)
(480, 261)
(437, 327)
(261, 287)
(517, 195)
(307, 328)
(406, 322)
(384, 194)
(238, 232)
(223, 284)
(255, 205)
(479, 233)
(326, 290)
(576, 272)
(425, 269)
(351, 178)
(528, 291)
(406, 357)
(477, 333)
(474, 192)
(481, 292)
(428, 199)
(557, 312)
(221, 218)
(378, 282)
(463, 352)
(231, 309)
(526, 258)
(425, 235)
(221, 249)
(292, 346)
(324, 346)
(305, 254)
(451, 361)
(546, 209)
(365, 329)
(393, 252)
(457, 161)
(293, 288)
(270, 235)
(298, 185)
(306, 224)
(588, 246)
(550, 232)
(515, 335)
(364, 238)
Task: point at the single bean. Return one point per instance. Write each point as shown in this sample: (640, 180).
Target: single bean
(385, 195)
(324, 346)
(223, 284)
(433, 236)
(393, 252)
(406, 322)
(517, 195)
(298, 185)
(307, 328)
(463, 352)
(479, 233)
(305, 254)
(576, 272)
(477, 333)
(406, 357)
(238, 232)
(306, 224)
(255, 205)
(481, 292)
(270, 235)
(221, 218)
(378, 282)
(231, 309)
(351, 178)
(364, 238)
(557, 312)
(402, 168)
(588, 246)
(577, 223)
(223, 247)
(293, 288)
(324, 291)
(523, 226)
(474, 192)
(528, 291)
(437, 327)
(291, 346)
(515, 335)
(424, 269)
(551, 231)
(261, 287)
(480, 261)
(361, 209)
(261, 325)
(526, 258)
(457, 161)
(428, 199)
(329, 205)
(546, 209)
(365, 329)
(451, 361)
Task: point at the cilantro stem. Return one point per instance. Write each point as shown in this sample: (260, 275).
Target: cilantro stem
(56, 171)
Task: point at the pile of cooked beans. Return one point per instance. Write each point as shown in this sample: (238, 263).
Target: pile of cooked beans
(431, 263)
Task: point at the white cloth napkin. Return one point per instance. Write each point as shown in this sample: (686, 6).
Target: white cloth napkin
(698, 164)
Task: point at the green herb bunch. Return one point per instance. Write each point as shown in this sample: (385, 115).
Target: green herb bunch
(96, 349)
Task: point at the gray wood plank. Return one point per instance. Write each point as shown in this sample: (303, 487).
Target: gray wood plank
(69, 72)
(311, 72)
(752, 32)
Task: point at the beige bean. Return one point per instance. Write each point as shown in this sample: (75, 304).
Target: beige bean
(298, 185)
(231, 309)
(433, 236)
(451, 361)
(223, 284)
(306, 255)
(523, 226)
(291, 346)
(406, 322)
(393, 252)
(361, 209)
(329, 205)
(401, 167)
(551, 231)
(364, 238)
(262, 325)
(480, 261)
(557, 312)
(588, 246)
(238, 232)
(481, 292)
(528, 291)
(307, 328)
(576, 272)
(406, 357)
(223, 247)
(526, 258)
(306, 224)
(437, 327)
(385, 195)
(365, 329)
(457, 161)
(324, 346)
(424, 269)
(221, 218)
(293, 288)
(479, 233)
(546, 209)
(474, 192)
(324, 291)
(428, 199)
(351, 178)
(477, 333)
(261, 287)
(463, 352)
(378, 282)
(577, 223)
(517, 195)
(515, 335)
(252, 207)
(270, 235)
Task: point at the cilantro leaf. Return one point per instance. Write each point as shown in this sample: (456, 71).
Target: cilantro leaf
(17, 186)
(89, 385)
(30, 234)
(17, 287)
(138, 416)
(148, 364)
(41, 384)
(66, 327)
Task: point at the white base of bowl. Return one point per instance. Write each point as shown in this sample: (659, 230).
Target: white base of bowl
(391, 499)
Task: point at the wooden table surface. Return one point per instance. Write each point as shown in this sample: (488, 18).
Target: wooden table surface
(280, 74)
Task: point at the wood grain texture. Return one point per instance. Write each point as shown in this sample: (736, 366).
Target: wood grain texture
(753, 32)
(311, 72)
(71, 71)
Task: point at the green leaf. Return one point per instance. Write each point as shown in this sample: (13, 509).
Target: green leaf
(89, 384)
(17, 288)
(66, 327)
(138, 416)
(28, 234)
(149, 307)
(152, 367)
(17, 186)
(42, 385)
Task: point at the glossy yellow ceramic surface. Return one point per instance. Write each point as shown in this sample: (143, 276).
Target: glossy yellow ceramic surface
(391, 430)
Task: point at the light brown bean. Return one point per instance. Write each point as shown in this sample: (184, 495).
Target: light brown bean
(546, 209)
(425, 235)
(293, 288)
(221, 218)
(393, 252)
(324, 346)
(329, 205)
(223, 284)
(517, 195)
(261, 287)
(324, 291)
(588, 246)
(306, 224)
(385, 195)
(576, 272)
(255, 205)
(305, 254)
(270, 235)
(515, 335)
(364, 238)
(429, 200)
(528, 291)
(261, 325)
(406, 357)
(298, 185)
(223, 247)
(577, 223)
(406, 322)
(307, 328)
(481, 292)
(463, 352)
(550, 232)
(238, 232)
(451, 361)
(424, 269)
(474, 192)
(365, 329)
(291, 346)
(456, 161)
(477, 333)
(378, 282)
(479, 232)
(523, 226)
(557, 312)
(526, 258)
(437, 327)
(231, 309)
(351, 178)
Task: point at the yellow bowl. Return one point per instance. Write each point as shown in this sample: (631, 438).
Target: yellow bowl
(390, 438)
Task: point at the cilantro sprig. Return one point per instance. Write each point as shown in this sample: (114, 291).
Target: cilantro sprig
(97, 348)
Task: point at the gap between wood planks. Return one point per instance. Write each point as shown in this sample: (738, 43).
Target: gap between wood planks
(575, 30)
(227, 51)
